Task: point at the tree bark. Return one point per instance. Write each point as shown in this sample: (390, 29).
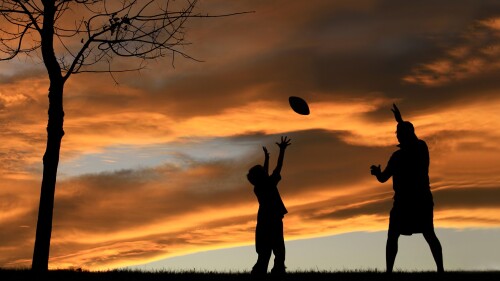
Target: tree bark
(55, 133)
(50, 163)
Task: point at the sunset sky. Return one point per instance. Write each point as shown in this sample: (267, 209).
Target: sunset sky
(154, 167)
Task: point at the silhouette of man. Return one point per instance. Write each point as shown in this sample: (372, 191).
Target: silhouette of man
(269, 231)
(412, 210)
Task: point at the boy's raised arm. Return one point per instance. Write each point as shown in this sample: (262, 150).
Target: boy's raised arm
(282, 145)
(266, 160)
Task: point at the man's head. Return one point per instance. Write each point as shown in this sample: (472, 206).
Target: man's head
(405, 132)
(256, 175)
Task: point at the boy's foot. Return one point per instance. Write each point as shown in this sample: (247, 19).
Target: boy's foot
(278, 271)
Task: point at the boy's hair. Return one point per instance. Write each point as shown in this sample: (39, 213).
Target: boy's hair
(255, 174)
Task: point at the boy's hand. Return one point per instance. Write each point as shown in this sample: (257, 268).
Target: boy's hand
(284, 143)
(265, 151)
(375, 170)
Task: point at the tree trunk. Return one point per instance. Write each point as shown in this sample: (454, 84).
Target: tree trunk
(50, 162)
(55, 133)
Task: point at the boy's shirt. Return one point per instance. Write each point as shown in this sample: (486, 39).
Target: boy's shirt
(271, 205)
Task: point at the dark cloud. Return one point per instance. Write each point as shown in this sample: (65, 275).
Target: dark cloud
(21, 73)
(339, 51)
(444, 199)
(205, 184)
(331, 51)
(372, 208)
(467, 198)
(110, 202)
(322, 158)
(445, 141)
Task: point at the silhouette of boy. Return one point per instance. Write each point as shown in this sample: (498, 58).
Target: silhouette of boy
(412, 210)
(269, 231)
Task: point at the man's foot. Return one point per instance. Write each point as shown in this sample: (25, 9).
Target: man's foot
(256, 272)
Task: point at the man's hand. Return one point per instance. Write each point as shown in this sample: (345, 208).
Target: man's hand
(284, 143)
(397, 114)
(375, 170)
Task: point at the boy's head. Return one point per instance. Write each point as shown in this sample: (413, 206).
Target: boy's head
(256, 175)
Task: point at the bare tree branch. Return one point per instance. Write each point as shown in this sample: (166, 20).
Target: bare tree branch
(87, 31)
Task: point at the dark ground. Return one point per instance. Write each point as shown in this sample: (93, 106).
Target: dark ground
(56, 275)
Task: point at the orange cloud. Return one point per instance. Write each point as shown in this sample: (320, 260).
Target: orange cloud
(478, 53)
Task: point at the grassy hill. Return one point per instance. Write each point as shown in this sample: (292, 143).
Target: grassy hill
(56, 275)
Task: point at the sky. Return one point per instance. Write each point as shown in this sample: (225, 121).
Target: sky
(153, 163)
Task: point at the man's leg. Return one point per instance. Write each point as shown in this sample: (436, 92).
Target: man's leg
(391, 249)
(435, 245)
(278, 249)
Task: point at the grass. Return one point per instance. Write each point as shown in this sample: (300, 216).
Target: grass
(127, 275)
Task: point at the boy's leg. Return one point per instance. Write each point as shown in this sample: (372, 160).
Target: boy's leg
(391, 249)
(435, 245)
(263, 248)
(278, 248)
(260, 267)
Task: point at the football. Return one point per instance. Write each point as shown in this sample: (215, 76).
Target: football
(299, 105)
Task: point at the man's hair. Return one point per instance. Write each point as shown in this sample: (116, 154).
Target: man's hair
(406, 126)
(406, 130)
(255, 174)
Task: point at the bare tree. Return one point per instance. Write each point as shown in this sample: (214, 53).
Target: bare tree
(78, 36)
